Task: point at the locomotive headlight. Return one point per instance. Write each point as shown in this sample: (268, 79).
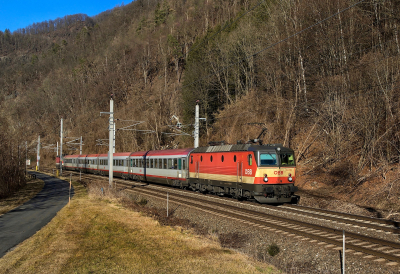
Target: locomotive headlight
(290, 179)
(265, 178)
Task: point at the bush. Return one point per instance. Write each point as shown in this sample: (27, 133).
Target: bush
(273, 249)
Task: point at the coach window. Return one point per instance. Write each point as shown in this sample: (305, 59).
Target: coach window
(169, 166)
(191, 159)
(165, 163)
(234, 158)
(147, 163)
(151, 163)
(184, 164)
(222, 158)
(250, 159)
(201, 158)
(211, 158)
(160, 164)
(175, 164)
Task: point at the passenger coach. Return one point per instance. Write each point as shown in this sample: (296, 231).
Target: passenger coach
(265, 173)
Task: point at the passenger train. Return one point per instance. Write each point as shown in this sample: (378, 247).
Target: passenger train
(265, 173)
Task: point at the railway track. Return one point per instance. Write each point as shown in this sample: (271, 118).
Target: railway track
(265, 217)
(374, 223)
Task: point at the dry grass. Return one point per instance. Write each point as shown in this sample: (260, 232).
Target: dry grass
(21, 196)
(94, 235)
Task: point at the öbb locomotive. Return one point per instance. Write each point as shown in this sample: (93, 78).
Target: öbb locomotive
(265, 173)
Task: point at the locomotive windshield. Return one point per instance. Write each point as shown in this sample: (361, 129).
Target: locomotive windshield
(267, 159)
(287, 159)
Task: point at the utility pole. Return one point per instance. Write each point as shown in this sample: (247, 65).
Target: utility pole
(80, 147)
(26, 156)
(114, 138)
(61, 143)
(38, 154)
(196, 126)
(111, 141)
(111, 144)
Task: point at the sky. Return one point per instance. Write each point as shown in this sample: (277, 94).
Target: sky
(18, 14)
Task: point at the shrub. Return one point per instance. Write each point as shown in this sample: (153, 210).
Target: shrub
(273, 249)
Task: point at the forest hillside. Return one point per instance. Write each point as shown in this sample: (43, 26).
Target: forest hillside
(321, 76)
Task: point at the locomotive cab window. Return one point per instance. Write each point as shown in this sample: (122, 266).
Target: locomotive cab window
(287, 159)
(267, 159)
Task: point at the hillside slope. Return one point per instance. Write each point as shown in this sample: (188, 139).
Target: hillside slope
(322, 76)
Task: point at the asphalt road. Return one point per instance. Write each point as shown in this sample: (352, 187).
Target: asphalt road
(22, 222)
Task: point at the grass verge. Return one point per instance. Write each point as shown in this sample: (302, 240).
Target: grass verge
(99, 235)
(20, 197)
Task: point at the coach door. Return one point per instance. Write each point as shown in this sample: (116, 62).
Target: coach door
(179, 168)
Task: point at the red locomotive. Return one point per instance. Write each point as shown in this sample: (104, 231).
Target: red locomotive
(265, 173)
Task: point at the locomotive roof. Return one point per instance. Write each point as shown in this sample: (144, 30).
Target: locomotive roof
(242, 147)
